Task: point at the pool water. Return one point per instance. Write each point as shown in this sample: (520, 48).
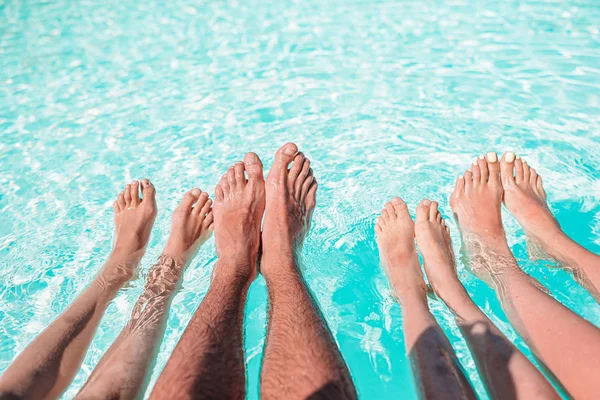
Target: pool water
(386, 98)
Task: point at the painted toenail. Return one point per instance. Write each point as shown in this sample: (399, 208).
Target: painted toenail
(426, 202)
(461, 177)
(518, 157)
(510, 156)
(196, 192)
(481, 157)
(492, 157)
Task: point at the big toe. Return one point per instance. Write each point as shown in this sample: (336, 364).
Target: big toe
(507, 165)
(148, 191)
(423, 210)
(254, 167)
(399, 206)
(283, 158)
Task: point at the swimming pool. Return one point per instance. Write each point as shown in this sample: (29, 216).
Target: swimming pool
(386, 98)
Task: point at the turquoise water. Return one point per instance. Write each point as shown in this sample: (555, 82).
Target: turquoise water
(386, 97)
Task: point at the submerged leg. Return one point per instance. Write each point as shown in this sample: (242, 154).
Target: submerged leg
(436, 369)
(506, 372)
(525, 198)
(566, 343)
(208, 361)
(301, 358)
(124, 370)
(48, 364)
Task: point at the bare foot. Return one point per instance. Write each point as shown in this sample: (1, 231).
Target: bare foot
(395, 233)
(435, 245)
(134, 218)
(477, 204)
(525, 198)
(192, 225)
(291, 200)
(238, 210)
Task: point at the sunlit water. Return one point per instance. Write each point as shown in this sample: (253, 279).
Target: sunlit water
(386, 98)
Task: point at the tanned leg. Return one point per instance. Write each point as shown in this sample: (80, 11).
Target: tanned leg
(301, 358)
(436, 370)
(208, 362)
(568, 345)
(525, 198)
(506, 372)
(47, 366)
(124, 370)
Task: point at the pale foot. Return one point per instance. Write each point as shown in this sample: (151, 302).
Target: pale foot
(435, 245)
(192, 225)
(238, 210)
(395, 234)
(525, 198)
(477, 204)
(134, 218)
(290, 202)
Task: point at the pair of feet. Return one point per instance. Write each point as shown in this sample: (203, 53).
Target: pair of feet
(286, 199)
(476, 203)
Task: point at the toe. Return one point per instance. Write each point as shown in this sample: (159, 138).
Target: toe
(533, 177)
(399, 206)
(433, 211)
(540, 187)
(203, 199)
(116, 207)
(295, 170)
(459, 188)
(311, 196)
(302, 177)
(148, 191)
(423, 210)
(507, 165)
(283, 158)
(493, 167)
(208, 221)
(219, 195)
(526, 172)
(240, 176)
(127, 194)
(518, 170)
(385, 217)
(254, 167)
(468, 180)
(135, 193)
(476, 174)
(225, 185)
(306, 185)
(390, 210)
(230, 176)
(121, 201)
(189, 198)
(483, 167)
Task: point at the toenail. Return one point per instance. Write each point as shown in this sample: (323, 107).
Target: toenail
(290, 150)
(145, 182)
(510, 156)
(196, 192)
(481, 157)
(461, 177)
(426, 202)
(492, 157)
(518, 157)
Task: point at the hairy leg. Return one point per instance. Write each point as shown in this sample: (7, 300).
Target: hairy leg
(568, 345)
(301, 357)
(506, 372)
(48, 364)
(436, 370)
(123, 371)
(525, 198)
(208, 361)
